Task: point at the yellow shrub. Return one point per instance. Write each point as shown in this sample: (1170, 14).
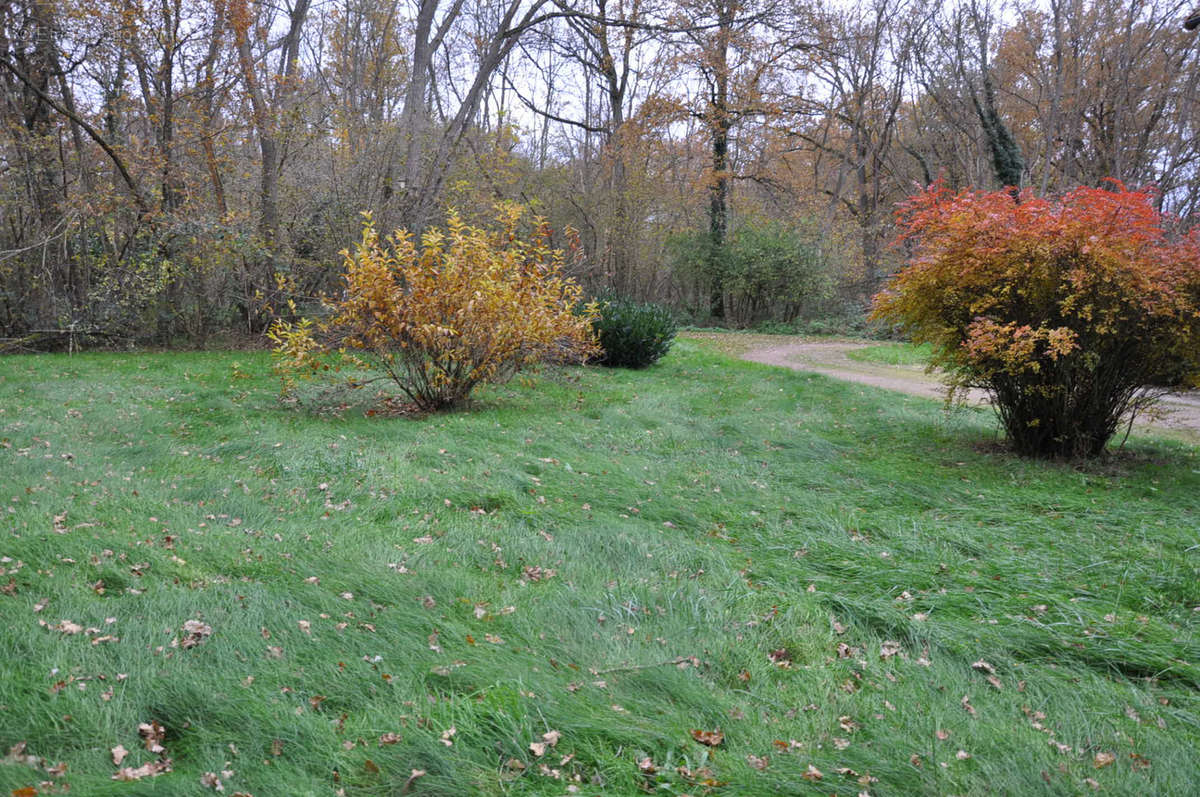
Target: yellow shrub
(465, 306)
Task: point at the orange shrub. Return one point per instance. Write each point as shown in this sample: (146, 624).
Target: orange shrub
(465, 306)
(1068, 312)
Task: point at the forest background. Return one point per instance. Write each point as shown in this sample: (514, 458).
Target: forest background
(172, 173)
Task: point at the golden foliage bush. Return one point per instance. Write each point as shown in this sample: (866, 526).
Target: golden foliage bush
(464, 306)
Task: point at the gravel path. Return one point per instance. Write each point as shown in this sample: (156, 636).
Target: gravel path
(1180, 412)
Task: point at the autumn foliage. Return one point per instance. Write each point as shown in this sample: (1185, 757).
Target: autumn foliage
(462, 307)
(1068, 312)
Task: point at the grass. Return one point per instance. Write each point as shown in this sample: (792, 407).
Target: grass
(893, 354)
(811, 567)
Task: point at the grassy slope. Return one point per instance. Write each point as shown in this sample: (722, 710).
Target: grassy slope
(704, 508)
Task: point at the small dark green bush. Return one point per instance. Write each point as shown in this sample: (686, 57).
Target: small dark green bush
(633, 335)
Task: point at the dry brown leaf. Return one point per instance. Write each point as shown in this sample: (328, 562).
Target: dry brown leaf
(1103, 760)
(709, 738)
(150, 770)
(812, 773)
(966, 704)
(413, 775)
(152, 734)
(758, 763)
(195, 632)
(118, 755)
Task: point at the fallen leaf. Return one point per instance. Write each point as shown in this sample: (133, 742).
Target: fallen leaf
(537, 748)
(709, 738)
(983, 666)
(758, 763)
(211, 781)
(305, 626)
(812, 773)
(780, 657)
(150, 770)
(966, 704)
(551, 737)
(889, 649)
(152, 735)
(389, 738)
(118, 755)
(962, 755)
(195, 632)
(1103, 760)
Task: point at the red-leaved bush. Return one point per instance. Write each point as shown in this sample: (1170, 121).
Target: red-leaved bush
(1070, 313)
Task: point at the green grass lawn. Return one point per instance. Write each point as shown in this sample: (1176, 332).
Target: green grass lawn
(848, 584)
(893, 354)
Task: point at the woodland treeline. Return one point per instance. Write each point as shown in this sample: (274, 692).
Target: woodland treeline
(173, 172)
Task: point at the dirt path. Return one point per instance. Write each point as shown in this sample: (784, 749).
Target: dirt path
(1180, 412)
